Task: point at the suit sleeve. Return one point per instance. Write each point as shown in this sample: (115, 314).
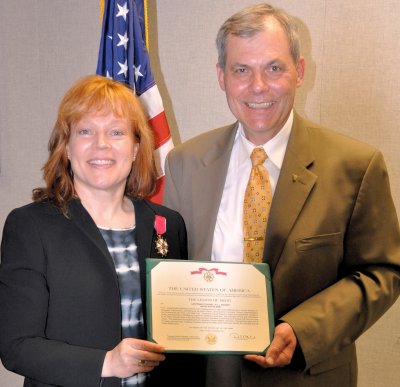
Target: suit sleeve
(24, 300)
(369, 279)
(183, 239)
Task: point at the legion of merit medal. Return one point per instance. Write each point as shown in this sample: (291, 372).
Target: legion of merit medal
(160, 225)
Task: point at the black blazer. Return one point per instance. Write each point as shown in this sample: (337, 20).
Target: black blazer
(59, 295)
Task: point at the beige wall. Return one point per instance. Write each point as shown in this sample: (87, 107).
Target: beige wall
(352, 53)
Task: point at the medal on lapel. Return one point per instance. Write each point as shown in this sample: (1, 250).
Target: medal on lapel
(160, 225)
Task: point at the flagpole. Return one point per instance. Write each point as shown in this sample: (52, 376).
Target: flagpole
(101, 6)
(146, 25)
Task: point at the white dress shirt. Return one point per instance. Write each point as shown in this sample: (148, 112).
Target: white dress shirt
(228, 233)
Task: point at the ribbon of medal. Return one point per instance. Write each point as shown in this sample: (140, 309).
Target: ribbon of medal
(160, 225)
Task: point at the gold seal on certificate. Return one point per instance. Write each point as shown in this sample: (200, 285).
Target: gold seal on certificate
(209, 307)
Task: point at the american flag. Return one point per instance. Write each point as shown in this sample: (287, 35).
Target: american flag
(123, 56)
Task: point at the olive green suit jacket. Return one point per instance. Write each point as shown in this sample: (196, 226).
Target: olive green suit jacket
(332, 242)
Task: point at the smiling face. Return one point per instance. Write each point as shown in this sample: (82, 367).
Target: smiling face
(260, 80)
(101, 150)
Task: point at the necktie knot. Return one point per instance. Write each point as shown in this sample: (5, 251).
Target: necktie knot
(258, 156)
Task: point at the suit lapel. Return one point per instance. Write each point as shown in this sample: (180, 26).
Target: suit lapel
(144, 229)
(144, 235)
(207, 188)
(145, 217)
(85, 223)
(293, 188)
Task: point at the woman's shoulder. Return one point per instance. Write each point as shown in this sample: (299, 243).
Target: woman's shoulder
(34, 211)
(45, 207)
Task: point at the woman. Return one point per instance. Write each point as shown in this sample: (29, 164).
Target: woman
(72, 276)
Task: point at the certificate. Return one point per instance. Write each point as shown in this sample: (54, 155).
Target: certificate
(209, 307)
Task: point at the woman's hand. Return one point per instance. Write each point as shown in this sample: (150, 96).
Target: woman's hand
(131, 356)
(280, 352)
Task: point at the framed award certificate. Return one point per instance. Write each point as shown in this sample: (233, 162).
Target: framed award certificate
(209, 307)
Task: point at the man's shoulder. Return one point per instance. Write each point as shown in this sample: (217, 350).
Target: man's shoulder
(202, 143)
(342, 142)
(337, 141)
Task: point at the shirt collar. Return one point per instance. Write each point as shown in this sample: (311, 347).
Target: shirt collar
(275, 147)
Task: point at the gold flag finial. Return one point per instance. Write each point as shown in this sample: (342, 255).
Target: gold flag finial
(146, 24)
(101, 6)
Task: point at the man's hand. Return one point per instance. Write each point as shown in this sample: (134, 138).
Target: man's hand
(281, 350)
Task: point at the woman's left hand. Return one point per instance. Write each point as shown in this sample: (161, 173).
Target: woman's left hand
(132, 356)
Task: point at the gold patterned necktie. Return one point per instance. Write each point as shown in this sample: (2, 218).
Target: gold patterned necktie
(257, 203)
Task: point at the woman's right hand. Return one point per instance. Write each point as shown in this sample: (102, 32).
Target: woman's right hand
(132, 356)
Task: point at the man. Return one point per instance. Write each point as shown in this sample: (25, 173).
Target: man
(332, 236)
